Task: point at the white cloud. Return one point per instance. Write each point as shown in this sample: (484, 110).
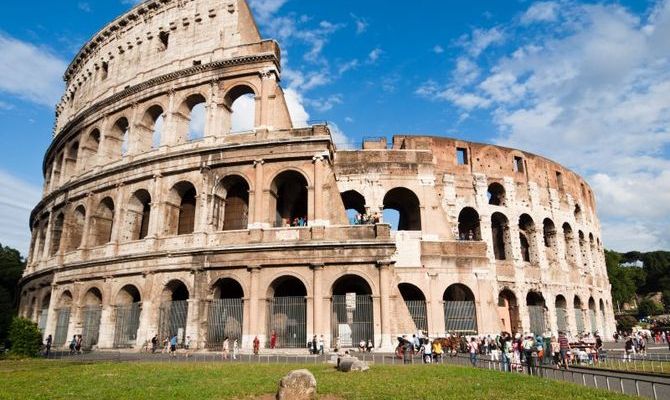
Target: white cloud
(542, 11)
(17, 198)
(264, 10)
(84, 6)
(342, 141)
(294, 102)
(30, 72)
(347, 66)
(360, 23)
(438, 49)
(482, 39)
(374, 55)
(592, 93)
(244, 111)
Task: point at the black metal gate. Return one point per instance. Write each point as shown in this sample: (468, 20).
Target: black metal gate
(460, 317)
(287, 317)
(62, 323)
(579, 319)
(91, 326)
(353, 324)
(172, 319)
(537, 323)
(224, 319)
(417, 309)
(126, 325)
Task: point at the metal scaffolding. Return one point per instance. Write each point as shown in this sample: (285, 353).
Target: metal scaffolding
(460, 317)
(126, 325)
(287, 318)
(417, 309)
(352, 321)
(91, 326)
(172, 319)
(62, 323)
(224, 319)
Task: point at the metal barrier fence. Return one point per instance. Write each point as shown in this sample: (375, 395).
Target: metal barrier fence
(224, 320)
(91, 326)
(562, 319)
(287, 318)
(537, 321)
(172, 318)
(351, 326)
(460, 316)
(417, 309)
(579, 318)
(126, 323)
(62, 322)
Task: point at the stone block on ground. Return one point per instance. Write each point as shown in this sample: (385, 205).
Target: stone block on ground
(299, 384)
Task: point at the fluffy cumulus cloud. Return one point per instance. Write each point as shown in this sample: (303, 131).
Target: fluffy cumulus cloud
(30, 72)
(590, 91)
(17, 198)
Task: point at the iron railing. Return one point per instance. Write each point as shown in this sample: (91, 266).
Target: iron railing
(417, 309)
(172, 319)
(351, 326)
(287, 318)
(460, 317)
(224, 320)
(127, 322)
(62, 323)
(91, 326)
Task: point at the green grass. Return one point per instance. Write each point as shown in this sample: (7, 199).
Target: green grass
(38, 379)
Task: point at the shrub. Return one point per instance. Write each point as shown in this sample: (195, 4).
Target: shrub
(648, 307)
(625, 323)
(25, 338)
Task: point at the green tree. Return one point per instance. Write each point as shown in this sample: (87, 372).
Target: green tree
(625, 281)
(11, 269)
(648, 308)
(25, 338)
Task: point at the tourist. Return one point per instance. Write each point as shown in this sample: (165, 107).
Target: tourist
(314, 346)
(370, 346)
(226, 348)
(73, 343)
(77, 345)
(257, 345)
(555, 351)
(321, 345)
(628, 349)
(528, 346)
(507, 352)
(273, 339)
(48, 345)
(494, 348)
(437, 350)
(426, 349)
(362, 345)
(173, 346)
(516, 351)
(564, 348)
(473, 349)
(408, 349)
(154, 344)
(236, 349)
(187, 342)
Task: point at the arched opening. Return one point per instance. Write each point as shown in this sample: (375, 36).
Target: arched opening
(550, 246)
(602, 317)
(71, 156)
(63, 309)
(508, 311)
(583, 248)
(138, 215)
(352, 315)
(42, 237)
(89, 149)
(44, 312)
(288, 196)
(117, 140)
(225, 316)
(103, 222)
(561, 313)
(128, 306)
(416, 304)
(173, 311)
(231, 204)
(593, 315)
(241, 100)
(354, 204)
(181, 209)
(496, 194)
(76, 229)
(406, 204)
(193, 113)
(460, 314)
(468, 224)
(501, 236)
(536, 312)
(570, 251)
(57, 169)
(579, 315)
(91, 313)
(151, 129)
(578, 213)
(287, 313)
(527, 238)
(56, 233)
(593, 252)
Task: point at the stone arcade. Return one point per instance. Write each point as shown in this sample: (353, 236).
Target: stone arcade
(145, 228)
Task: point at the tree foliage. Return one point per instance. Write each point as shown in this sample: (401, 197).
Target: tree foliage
(25, 338)
(11, 269)
(625, 280)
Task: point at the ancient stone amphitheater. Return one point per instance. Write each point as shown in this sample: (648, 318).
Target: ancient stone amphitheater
(151, 225)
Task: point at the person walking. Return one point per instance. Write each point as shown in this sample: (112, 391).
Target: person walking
(236, 349)
(77, 345)
(314, 345)
(273, 339)
(48, 345)
(154, 344)
(564, 348)
(257, 345)
(173, 346)
(528, 346)
(73, 344)
(226, 348)
(321, 345)
(473, 349)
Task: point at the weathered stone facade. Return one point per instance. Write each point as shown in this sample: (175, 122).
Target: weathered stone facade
(143, 231)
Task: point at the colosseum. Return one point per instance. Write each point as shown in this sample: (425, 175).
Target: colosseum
(149, 225)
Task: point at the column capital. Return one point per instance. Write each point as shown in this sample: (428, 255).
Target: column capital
(259, 162)
(254, 269)
(385, 264)
(317, 266)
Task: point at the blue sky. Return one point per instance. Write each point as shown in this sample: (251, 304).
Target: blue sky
(584, 83)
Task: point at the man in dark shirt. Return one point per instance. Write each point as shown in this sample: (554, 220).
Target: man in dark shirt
(564, 346)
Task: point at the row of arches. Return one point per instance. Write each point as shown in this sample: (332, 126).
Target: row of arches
(401, 208)
(588, 248)
(228, 210)
(153, 127)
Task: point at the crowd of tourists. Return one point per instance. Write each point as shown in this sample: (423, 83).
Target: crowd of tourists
(366, 219)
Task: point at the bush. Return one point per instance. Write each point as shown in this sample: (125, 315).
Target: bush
(648, 308)
(25, 338)
(625, 323)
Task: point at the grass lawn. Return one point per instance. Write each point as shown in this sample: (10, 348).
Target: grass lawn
(39, 379)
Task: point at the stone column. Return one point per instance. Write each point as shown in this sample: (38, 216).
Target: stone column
(107, 317)
(258, 215)
(155, 214)
(119, 211)
(385, 303)
(169, 134)
(318, 192)
(318, 315)
(150, 312)
(435, 307)
(253, 317)
(46, 251)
